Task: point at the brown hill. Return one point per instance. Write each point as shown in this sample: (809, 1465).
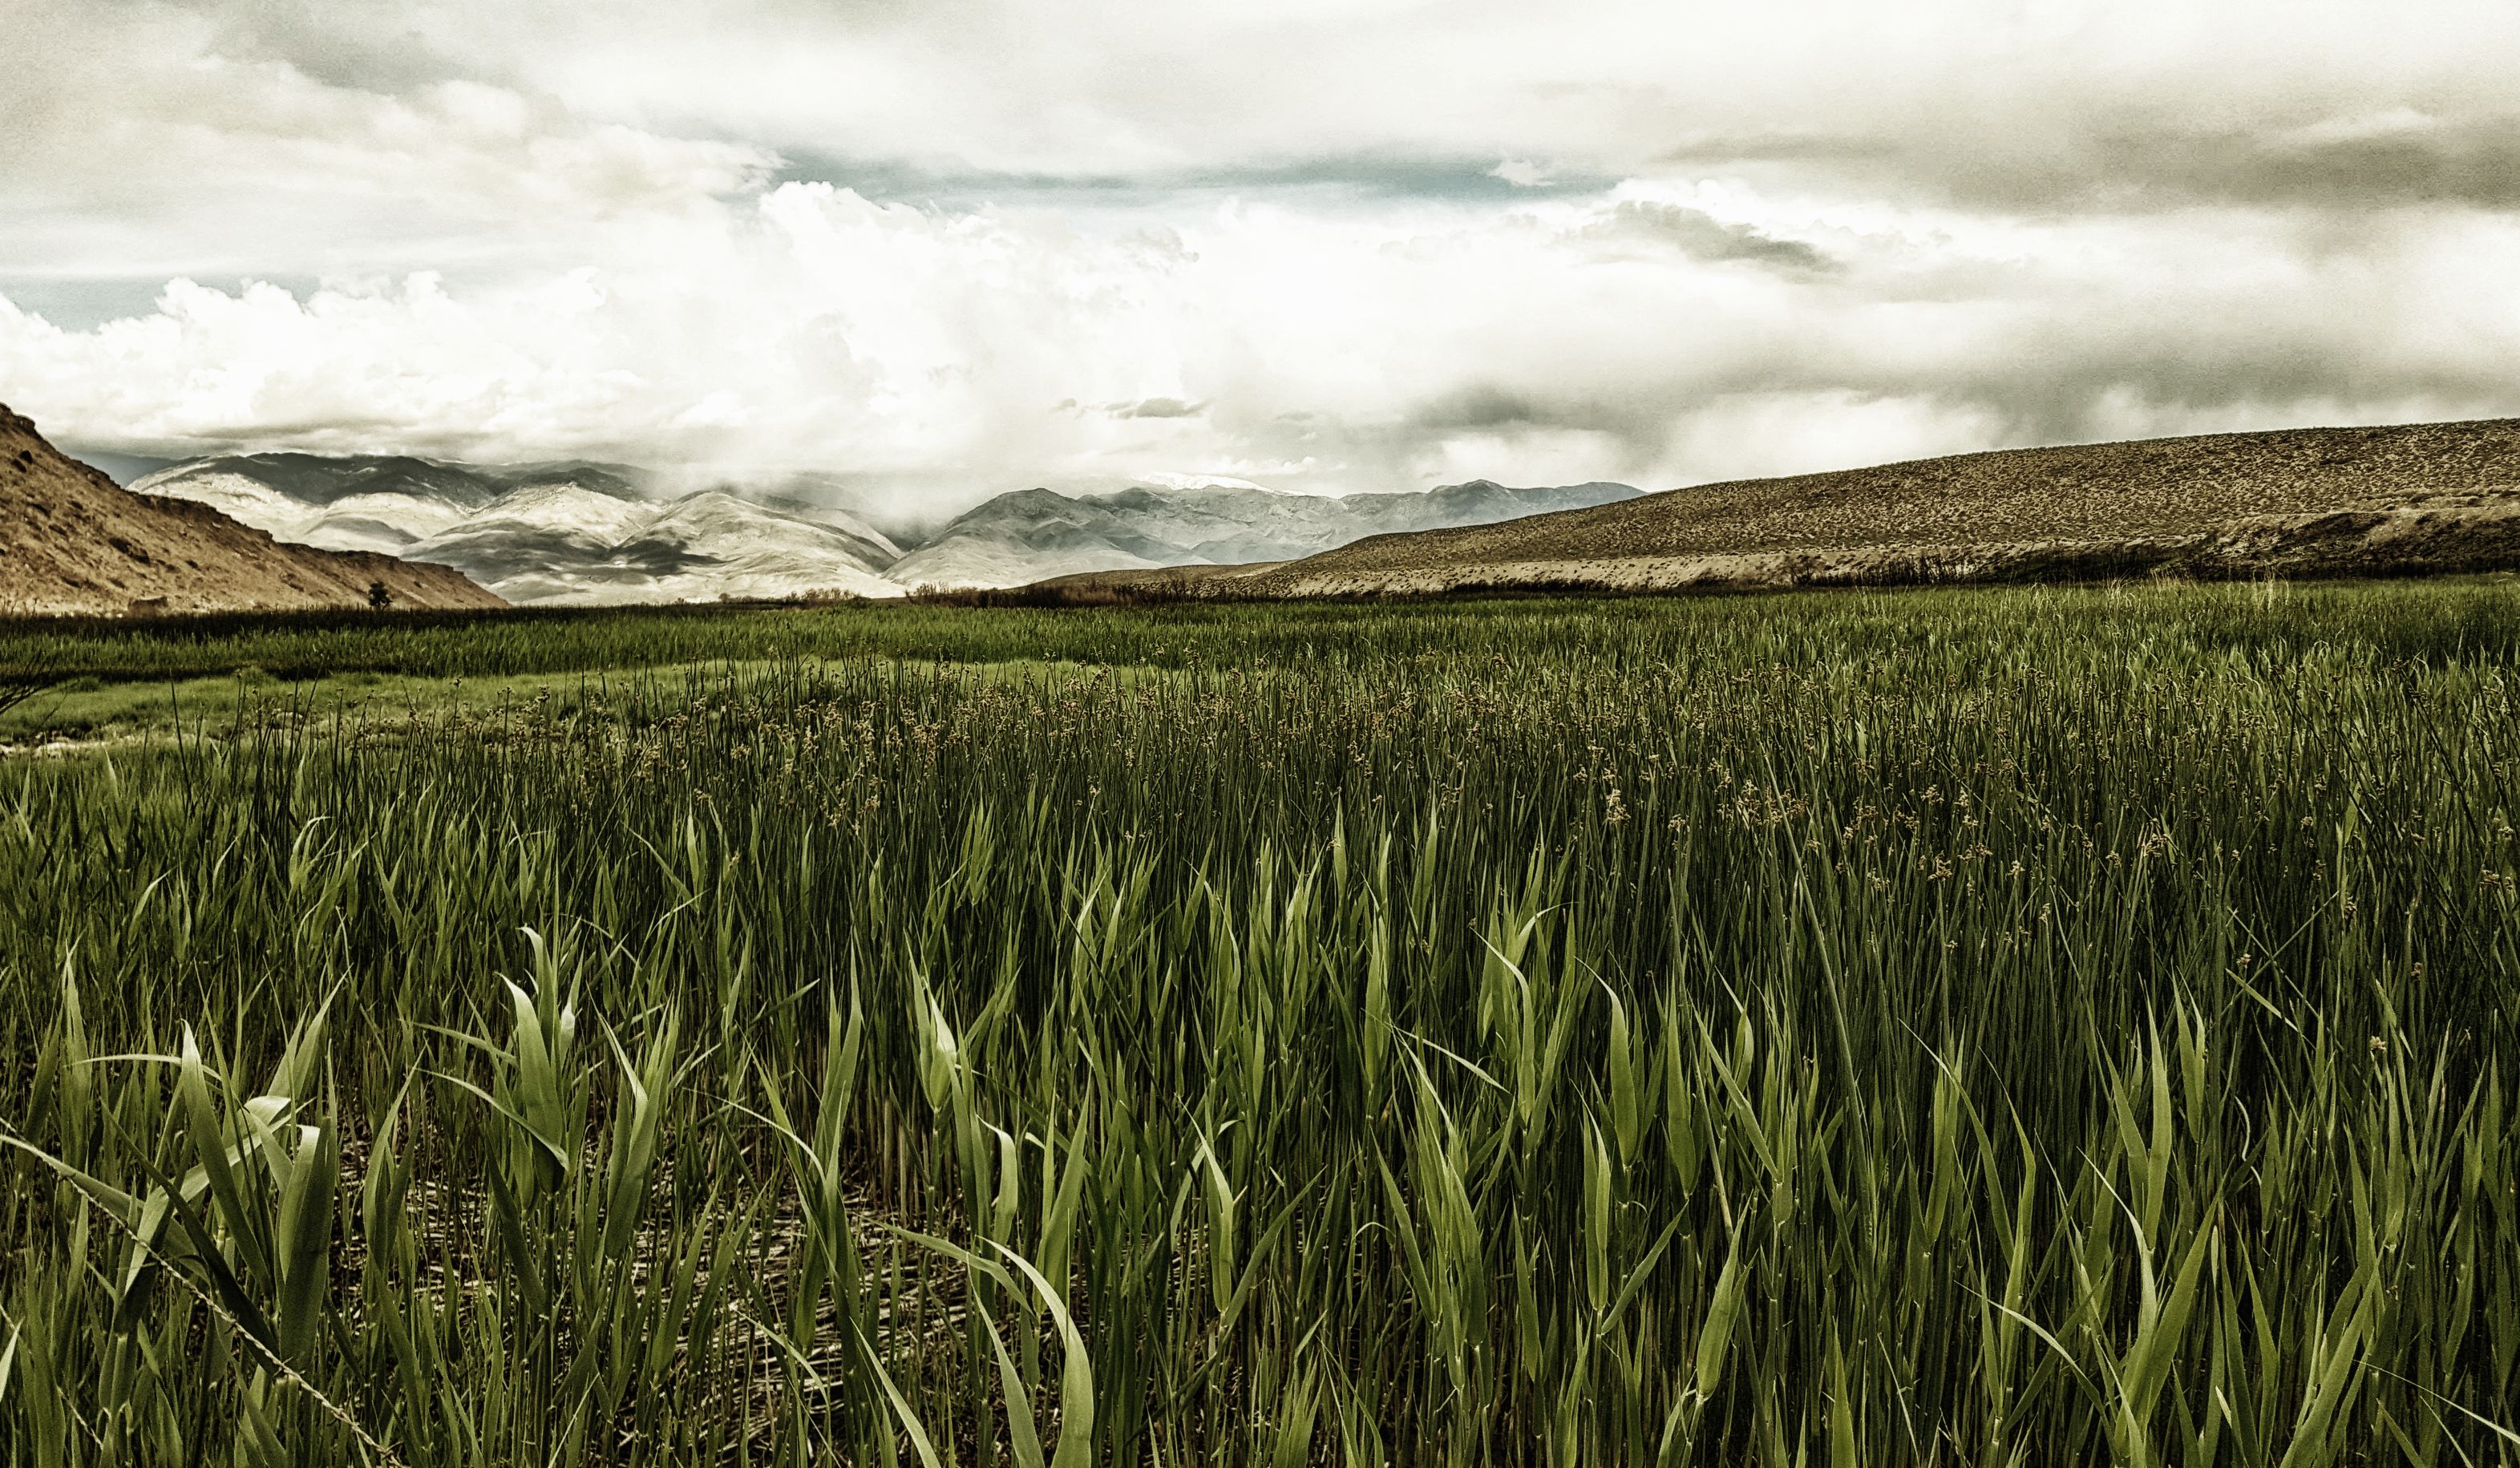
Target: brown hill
(74, 542)
(2413, 499)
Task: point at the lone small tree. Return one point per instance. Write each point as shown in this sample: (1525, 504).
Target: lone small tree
(378, 598)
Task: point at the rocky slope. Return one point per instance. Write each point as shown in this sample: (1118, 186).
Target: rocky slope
(74, 542)
(2412, 499)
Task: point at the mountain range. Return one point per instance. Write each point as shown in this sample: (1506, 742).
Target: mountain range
(585, 534)
(274, 531)
(72, 542)
(1034, 534)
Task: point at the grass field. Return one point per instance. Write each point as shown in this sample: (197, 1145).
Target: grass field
(1988, 1028)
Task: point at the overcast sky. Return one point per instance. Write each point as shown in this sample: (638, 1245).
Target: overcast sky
(947, 247)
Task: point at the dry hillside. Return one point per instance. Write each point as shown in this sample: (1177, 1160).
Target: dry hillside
(74, 542)
(2403, 500)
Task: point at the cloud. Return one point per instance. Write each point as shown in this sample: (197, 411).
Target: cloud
(133, 143)
(2045, 106)
(1157, 408)
(902, 243)
(2395, 157)
(1703, 237)
(938, 357)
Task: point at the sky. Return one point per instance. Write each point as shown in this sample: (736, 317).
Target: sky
(940, 250)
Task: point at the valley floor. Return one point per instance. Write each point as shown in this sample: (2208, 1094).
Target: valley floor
(2004, 1025)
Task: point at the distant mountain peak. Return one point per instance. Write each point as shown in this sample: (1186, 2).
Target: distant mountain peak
(1035, 534)
(590, 532)
(1195, 482)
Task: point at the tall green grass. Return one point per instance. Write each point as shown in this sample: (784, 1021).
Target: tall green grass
(1995, 1029)
(2439, 621)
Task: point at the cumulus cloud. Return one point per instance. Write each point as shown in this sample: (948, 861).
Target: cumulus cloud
(131, 143)
(941, 251)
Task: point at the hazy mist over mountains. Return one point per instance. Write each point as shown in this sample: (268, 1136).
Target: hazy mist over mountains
(591, 534)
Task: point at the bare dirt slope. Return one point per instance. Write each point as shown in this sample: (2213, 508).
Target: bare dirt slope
(2389, 501)
(72, 542)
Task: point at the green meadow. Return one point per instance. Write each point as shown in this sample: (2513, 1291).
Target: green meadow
(1979, 1028)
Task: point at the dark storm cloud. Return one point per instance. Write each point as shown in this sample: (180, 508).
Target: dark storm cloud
(1483, 405)
(1157, 408)
(2343, 166)
(2070, 394)
(1495, 407)
(1702, 237)
(357, 44)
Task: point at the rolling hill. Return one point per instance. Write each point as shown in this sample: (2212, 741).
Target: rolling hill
(75, 543)
(2378, 501)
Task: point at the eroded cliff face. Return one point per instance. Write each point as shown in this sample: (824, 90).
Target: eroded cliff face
(72, 542)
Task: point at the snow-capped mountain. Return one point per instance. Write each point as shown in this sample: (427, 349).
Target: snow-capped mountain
(594, 534)
(707, 547)
(1165, 481)
(1033, 534)
(553, 534)
(332, 504)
